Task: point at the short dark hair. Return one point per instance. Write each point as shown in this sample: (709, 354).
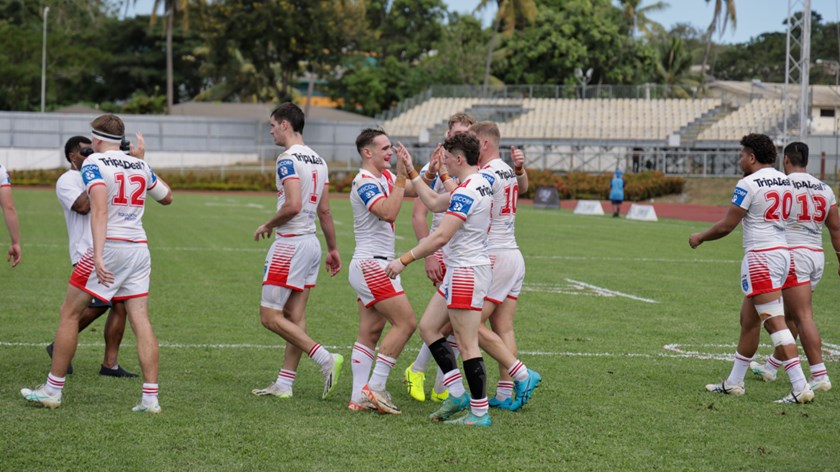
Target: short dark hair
(762, 146)
(367, 136)
(466, 144)
(797, 154)
(74, 144)
(292, 113)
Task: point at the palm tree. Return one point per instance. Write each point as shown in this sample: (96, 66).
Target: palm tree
(673, 68)
(720, 19)
(508, 11)
(173, 8)
(636, 16)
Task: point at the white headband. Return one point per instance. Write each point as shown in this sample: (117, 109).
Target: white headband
(102, 136)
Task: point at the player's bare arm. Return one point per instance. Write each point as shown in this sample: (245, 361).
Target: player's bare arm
(518, 158)
(730, 221)
(434, 201)
(291, 207)
(12, 225)
(388, 208)
(449, 225)
(98, 229)
(333, 260)
(832, 222)
(82, 204)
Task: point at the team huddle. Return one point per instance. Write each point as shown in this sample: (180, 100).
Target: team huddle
(470, 255)
(782, 216)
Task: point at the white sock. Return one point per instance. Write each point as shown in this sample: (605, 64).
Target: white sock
(818, 370)
(321, 356)
(150, 392)
(53, 384)
(795, 374)
(439, 386)
(361, 360)
(504, 390)
(380, 371)
(452, 381)
(739, 369)
(424, 357)
(772, 363)
(518, 371)
(285, 379)
(479, 407)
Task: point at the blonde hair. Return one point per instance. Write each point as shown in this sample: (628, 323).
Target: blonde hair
(464, 118)
(110, 124)
(487, 129)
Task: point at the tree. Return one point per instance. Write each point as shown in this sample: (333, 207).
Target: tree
(508, 13)
(172, 8)
(637, 18)
(673, 68)
(724, 13)
(575, 34)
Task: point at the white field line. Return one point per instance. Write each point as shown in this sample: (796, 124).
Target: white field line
(577, 287)
(675, 351)
(237, 205)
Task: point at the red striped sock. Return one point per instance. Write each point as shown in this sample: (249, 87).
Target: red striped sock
(54, 384)
(518, 371)
(504, 390)
(320, 355)
(795, 374)
(479, 406)
(452, 381)
(818, 370)
(286, 378)
(150, 392)
(381, 370)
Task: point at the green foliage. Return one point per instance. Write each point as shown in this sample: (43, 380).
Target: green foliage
(574, 34)
(142, 104)
(584, 186)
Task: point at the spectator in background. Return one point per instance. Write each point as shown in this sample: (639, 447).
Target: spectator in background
(617, 192)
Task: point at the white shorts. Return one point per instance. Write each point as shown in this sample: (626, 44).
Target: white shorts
(764, 271)
(131, 265)
(464, 288)
(368, 279)
(806, 266)
(508, 269)
(291, 264)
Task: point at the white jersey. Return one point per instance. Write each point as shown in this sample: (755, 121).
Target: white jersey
(505, 188)
(5, 181)
(68, 188)
(438, 187)
(374, 236)
(767, 195)
(302, 163)
(126, 179)
(471, 202)
(812, 200)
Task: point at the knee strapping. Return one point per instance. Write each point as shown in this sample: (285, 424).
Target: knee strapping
(770, 310)
(782, 337)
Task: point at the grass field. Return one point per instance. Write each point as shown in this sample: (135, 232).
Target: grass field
(624, 321)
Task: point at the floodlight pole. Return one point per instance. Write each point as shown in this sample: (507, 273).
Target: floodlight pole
(44, 63)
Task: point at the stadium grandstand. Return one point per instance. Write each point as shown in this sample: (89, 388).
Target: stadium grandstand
(600, 128)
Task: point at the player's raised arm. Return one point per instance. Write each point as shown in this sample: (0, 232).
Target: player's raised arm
(433, 201)
(518, 158)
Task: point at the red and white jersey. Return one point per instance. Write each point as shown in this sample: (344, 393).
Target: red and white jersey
(126, 180)
(502, 180)
(767, 195)
(68, 188)
(374, 236)
(438, 187)
(302, 163)
(5, 181)
(812, 200)
(471, 202)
